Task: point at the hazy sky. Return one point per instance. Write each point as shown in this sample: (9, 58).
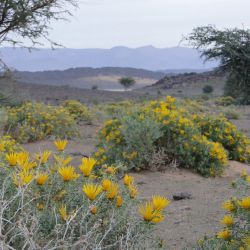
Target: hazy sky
(135, 23)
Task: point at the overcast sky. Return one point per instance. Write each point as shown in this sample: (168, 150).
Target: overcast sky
(135, 23)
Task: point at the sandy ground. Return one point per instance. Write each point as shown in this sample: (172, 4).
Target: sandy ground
(186, 220)
(191, 219)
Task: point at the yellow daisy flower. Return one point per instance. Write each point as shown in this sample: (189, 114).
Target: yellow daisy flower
(128, 180)
(160, 202)
(60, 144)
(41, 178)
(11, 158)
(149, 214)
(228, 205)
(68, 173)
(23, 178)
(92, 190)
(43, 157)
(106, 184)
(112, 191)
(227, 220)
(244, 202)
(133, 191)
(225, 234)
(119, 201)
(87, 166)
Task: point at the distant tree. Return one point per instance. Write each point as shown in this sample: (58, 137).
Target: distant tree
(29, 20)
(94, 87)
(232, 48)
(127, 82)
(208, 89)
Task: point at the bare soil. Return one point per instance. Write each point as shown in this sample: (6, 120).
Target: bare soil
(190, 219)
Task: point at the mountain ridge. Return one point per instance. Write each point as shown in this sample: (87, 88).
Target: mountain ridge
(146, 57)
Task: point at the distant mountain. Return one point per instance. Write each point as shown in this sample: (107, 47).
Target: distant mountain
(148, 57)
(103, 78)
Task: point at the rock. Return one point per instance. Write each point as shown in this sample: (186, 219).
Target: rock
(185, 208)
(182, 196)
(141, 183)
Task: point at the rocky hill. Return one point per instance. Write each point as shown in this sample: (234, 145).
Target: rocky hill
(184, 80)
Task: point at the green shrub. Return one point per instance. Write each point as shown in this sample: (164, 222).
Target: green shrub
(130, 140)
(35, 121)
(208, 89)
(224, 101)
(219, 129)
(159, 125)
(78, 111)
(49, 203)
(114, 109)
(231, 114)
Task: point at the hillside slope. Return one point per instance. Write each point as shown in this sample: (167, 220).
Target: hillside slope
(103, 78)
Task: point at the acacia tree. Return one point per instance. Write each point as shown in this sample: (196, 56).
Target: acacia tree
(127, 82)
(30, 19)
(25, 22)
(231, 47)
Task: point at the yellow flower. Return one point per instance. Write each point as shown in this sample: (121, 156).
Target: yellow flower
(224, 234)
(2, 146)
(43, 157)
(27, 165)
(119, 201)
(93, 210)
(92, 190)
(133, 191)
(40, 206)
(228, 205)
(170, 99)
(11, 159)
(41, 178)
(61, 161)
(87, 166)
(227, 220)
(106, 184)
(112, 191)
(61, 144)
(248, 179)
(22, 157)
(244, 202)
(23, 178)
(149, 214)
(243, 174)
(63, 213)
(111, 170)
(160, 202)
(68, 173)
(128, 180)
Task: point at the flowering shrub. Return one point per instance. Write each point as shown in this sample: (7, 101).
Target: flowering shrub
(129, 140)
(47, 203)
(117, 107)
(79, 111)
(8, 145)
(236, 223)
(224, 101)
(35, 121)
(219, 129)
(160, 124)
